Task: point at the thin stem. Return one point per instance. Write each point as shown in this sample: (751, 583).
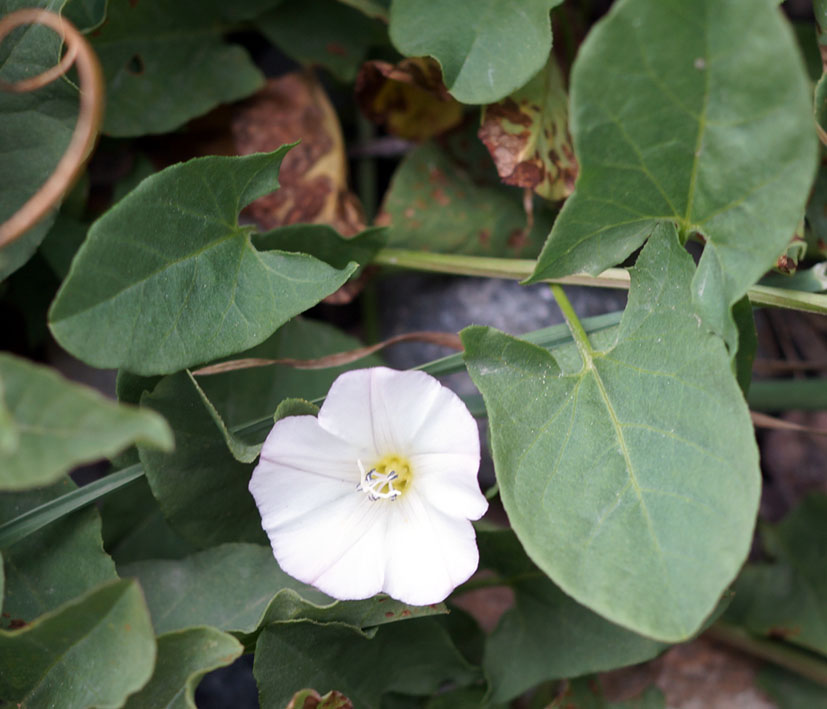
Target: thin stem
(575, 326)
(802, 663)
(611, 278)
(29, 522)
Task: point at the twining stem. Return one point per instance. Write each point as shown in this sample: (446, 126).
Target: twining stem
(575, 326)
(520, 269)
(90, 115)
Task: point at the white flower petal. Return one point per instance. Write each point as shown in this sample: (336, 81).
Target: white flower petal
(429, 553)
(382, 407)
(449, 483)
(449, 428)
(340, 550)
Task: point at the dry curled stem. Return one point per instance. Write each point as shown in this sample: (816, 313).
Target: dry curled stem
(78, 52)
(446, 339)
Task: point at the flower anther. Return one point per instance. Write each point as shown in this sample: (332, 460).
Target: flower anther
(375, 494)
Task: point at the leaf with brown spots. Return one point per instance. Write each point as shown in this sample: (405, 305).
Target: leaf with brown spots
(527, 134)
(436, 201)
(313, 175)
(408, 98)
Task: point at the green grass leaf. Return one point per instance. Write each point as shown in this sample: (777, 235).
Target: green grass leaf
(59, 424)
(634, 482)
(487, 48)
(167, 278)
(701, 117)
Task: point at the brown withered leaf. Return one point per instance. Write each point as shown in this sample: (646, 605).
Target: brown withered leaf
(527, 134)
(408, 98)
(311, 699)
(313, 176)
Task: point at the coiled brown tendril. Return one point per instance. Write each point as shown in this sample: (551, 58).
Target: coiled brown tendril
(80, 146)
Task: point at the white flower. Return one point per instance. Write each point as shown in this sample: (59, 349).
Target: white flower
(376, 493)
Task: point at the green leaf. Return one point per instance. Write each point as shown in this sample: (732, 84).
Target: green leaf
(184, 657)
(787, 599)
(412, 658)
(487, 48)
(325, 243)
(791, 691)
(167, 278)
(165, 64)
(9, 432)
(547, 635)
(326, 33)
(434, 204)
(55, 564)
(250, 394)
(93, 651)
(61, 424)
(702, 120)
(201, 488)
(239, 588)
(295, 407)
(634, 482)
(37, 126)
(134, 527)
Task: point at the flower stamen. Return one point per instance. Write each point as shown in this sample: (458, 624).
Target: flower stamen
(383, 481)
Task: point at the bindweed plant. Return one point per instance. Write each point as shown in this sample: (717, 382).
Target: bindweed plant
(263, 485)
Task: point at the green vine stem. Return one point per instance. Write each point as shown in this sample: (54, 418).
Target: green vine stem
(520, 269)
(802, 663)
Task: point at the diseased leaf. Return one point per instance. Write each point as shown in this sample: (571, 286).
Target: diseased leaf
(165, 63)
(93, 651)
(547, 635)
(408, 98)
(701, 120)
(184, 657)
(167, 278)
(434, 203)
(527, 134)
(640, 508)
(412, 658)
(55, 564)
(60, 424)
(239, 588)
(487, 48)
(323, 33)
(313, 178)
(787, 599)
(311, 699)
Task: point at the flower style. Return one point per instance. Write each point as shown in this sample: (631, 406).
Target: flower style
(377, 493)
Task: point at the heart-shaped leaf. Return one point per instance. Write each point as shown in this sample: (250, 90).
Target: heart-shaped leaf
(167, 278)
(633, 482)
(699, 116)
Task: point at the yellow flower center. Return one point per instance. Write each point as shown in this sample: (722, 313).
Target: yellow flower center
(387, 479)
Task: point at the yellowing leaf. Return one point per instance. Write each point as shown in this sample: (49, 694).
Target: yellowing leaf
(408, 98)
